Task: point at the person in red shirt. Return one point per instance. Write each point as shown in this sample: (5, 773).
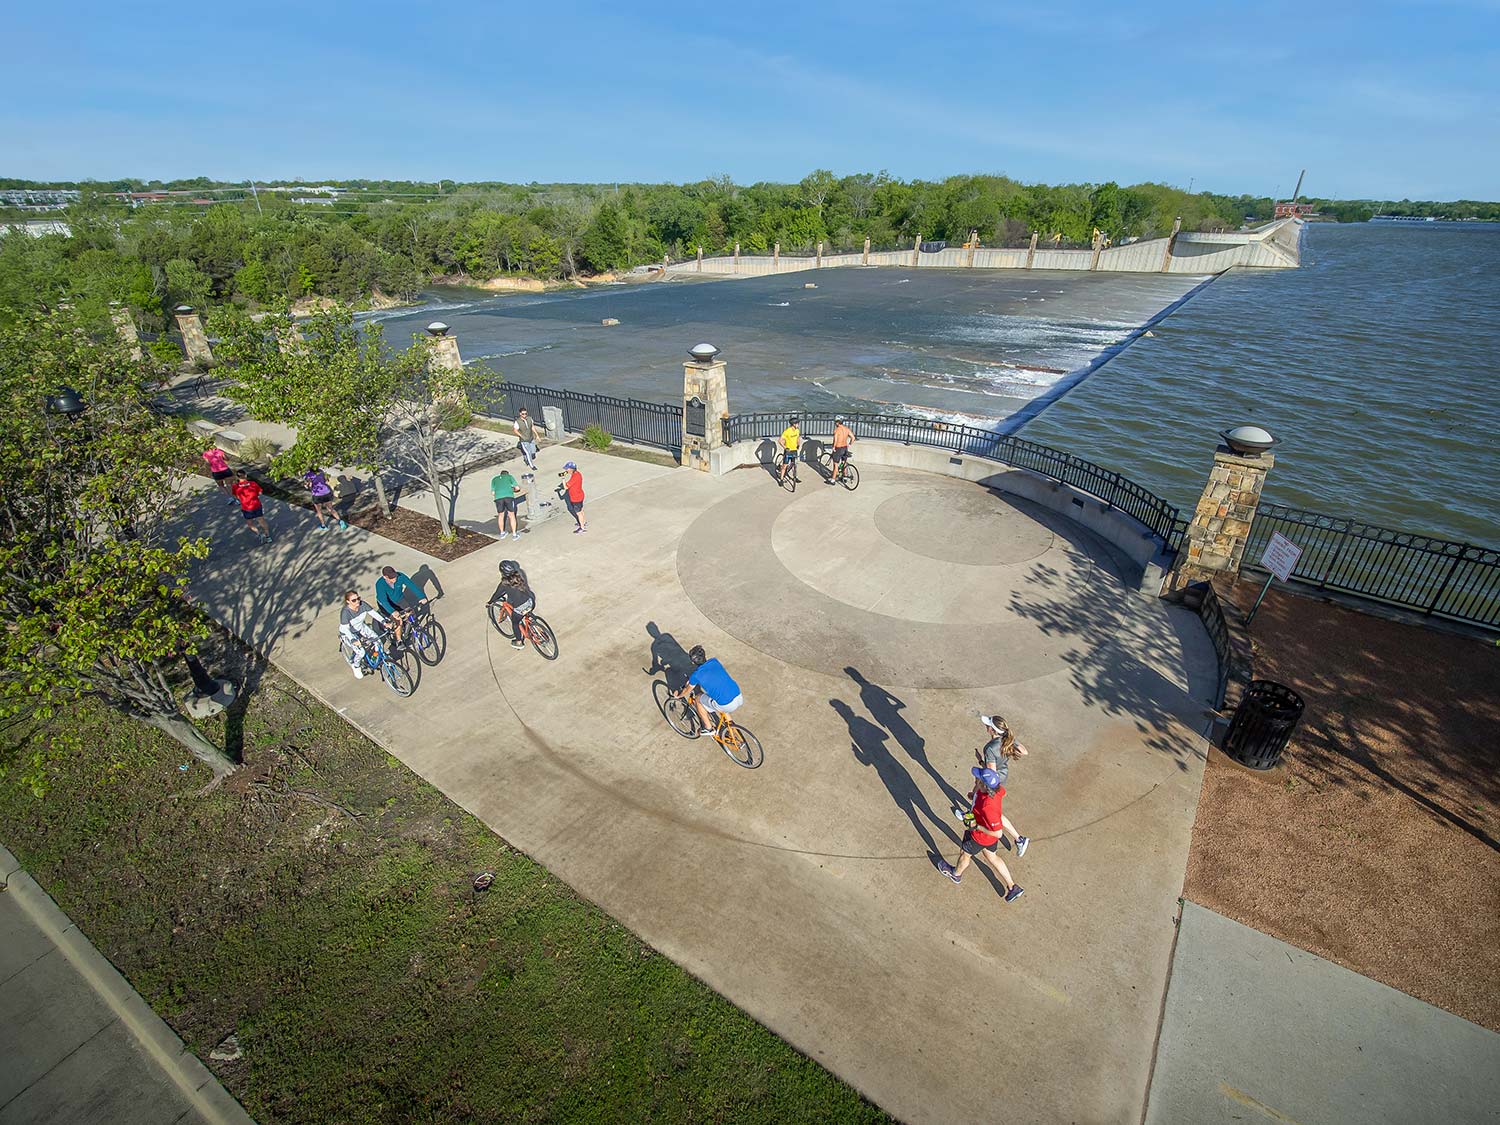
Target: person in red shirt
(990, 826)
(247, 492)
(574, 486)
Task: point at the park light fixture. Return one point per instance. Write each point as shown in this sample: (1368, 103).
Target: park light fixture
(437, 328)
(183, 310)
(1250, 441)
(65, 401)
(703, 353)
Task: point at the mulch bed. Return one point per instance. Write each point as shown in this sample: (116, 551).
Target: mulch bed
(412, 529)
(1376, 843)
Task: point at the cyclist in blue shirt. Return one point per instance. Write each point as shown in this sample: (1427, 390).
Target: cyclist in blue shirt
(391, 595)
(713, 688)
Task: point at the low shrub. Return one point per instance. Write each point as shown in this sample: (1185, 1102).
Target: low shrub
(597, 438)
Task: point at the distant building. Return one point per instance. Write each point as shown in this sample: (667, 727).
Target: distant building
(37, 227)
(1287, 210)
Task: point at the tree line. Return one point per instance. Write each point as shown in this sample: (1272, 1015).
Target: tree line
(261, 248)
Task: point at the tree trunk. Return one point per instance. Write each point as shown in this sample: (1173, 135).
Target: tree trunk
(175, 724)
(385, 505)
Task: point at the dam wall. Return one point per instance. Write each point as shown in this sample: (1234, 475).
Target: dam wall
(1276, 245)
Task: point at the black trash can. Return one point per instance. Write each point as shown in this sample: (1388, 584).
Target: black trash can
(1263, 724)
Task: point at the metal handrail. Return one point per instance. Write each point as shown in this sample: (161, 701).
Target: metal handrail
(1118, 491)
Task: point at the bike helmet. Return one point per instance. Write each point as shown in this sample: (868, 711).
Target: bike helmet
(839, 421)
(509, 568)
(697, 655)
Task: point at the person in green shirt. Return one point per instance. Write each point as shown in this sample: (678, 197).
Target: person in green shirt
(507, 492)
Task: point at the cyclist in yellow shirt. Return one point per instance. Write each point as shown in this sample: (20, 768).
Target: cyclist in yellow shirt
(791, 441)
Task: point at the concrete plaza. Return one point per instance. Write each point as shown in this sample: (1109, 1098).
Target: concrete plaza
(867, 629)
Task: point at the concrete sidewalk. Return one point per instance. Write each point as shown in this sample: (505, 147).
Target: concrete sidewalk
(1258, 1030)
(77, 1043)
(867, 630)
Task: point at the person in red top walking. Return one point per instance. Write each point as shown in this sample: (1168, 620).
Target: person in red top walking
(247, 492)
(990, 826)
(574, 486)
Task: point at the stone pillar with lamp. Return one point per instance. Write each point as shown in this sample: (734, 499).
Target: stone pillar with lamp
(705, 405)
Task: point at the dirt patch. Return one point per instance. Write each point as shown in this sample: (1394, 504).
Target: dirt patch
(1376, 844)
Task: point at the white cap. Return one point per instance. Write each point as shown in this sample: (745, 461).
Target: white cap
(992, 722)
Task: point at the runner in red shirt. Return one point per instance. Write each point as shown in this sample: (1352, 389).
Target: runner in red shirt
(989, 827)
(575, 495)
(247, 492)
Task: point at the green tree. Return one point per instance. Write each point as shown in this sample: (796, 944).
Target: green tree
(92, 576)
(605, 243)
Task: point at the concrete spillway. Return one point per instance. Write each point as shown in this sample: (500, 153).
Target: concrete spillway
(1276, 245)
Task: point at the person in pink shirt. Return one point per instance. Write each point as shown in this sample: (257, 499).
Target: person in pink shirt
(223, 475)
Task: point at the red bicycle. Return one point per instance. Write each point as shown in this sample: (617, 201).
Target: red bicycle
(527, 626)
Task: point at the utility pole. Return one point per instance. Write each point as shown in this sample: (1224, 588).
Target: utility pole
(1190, 184)
(1298, 190)
(255, 193)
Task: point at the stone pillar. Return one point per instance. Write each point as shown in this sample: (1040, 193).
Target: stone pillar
(194, 339)
(1098, 246)
(444, 348)
(867, 250)
(1215, 541)
(664, 261)
(916, 249)
(973, 245)
(705, 386)
(775, 257)
(1166, 255)
(820, 256)
(736, 257)
(700, 259)
(1031, 252)
(125, 326)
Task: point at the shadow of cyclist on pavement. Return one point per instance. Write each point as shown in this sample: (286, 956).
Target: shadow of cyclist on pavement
(668, 657)
(886, 709)
(868, 743)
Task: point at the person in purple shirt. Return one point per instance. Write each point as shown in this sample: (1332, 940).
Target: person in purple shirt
(322, 498)
(712, 687)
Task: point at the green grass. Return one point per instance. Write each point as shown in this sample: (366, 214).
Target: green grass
(320, 905)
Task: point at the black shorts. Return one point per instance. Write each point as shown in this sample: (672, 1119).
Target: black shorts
(841, 454)
(322, 498)
(574, 507)
(505, 504)
(223, 474)
(973, 847)
(251, 513)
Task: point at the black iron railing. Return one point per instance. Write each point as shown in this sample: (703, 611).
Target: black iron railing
(634, 420)
(1121, 492)
(1436, 577)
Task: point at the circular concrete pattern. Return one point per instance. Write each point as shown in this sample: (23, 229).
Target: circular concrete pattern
(816, 581)
(961, 526)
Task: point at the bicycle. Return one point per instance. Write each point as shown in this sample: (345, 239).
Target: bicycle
(530, 627)
(377, 658)
(425, 636)
(740, 744)
(789, 481)
(840, 472)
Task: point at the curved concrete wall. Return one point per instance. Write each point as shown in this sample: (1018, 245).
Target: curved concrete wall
(1133, 539)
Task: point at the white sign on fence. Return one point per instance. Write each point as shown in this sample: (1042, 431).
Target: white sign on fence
(1280, 556)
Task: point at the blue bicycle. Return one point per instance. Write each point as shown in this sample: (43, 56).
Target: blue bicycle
(390, 666)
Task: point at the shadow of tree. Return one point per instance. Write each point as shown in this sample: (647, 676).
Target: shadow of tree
(1120, 644)
(868, 743)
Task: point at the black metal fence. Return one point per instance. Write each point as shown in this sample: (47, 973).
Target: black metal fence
(1162, 518)
(1436, 577)
(634, 420)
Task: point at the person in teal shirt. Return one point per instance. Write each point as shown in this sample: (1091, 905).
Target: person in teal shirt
(506, 492)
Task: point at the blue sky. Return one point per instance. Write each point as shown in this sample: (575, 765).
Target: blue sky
(1376, 100)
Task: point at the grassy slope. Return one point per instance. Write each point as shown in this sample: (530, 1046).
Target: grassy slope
(321, 906)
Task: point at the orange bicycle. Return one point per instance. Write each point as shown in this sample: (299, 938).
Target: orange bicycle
(527, 626)
(742, 747)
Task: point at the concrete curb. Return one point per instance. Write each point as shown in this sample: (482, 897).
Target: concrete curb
(197, 1083)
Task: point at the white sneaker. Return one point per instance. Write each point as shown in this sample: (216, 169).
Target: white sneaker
(359, 673)
(515, 535)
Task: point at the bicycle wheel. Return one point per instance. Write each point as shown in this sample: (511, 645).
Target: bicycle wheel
(398, 677)
(742, 747)
(504, 623)
(542, 637)
(679, 713)
(851, 476)
(432, 641)
(789, 482)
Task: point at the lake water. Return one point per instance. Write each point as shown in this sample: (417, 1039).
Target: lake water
(1375, 363)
